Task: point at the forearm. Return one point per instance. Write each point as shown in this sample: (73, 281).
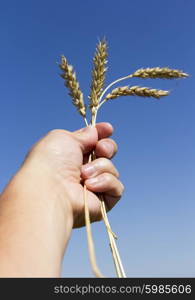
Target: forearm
(35, 225)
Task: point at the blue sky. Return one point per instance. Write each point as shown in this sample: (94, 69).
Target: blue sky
(155, 220)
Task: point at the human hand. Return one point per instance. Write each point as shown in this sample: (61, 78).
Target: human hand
(44, 200)
(61, 156)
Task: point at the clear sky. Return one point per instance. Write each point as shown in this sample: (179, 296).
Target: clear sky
(155, 220)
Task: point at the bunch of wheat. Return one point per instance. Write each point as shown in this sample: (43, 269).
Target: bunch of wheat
(97, 98)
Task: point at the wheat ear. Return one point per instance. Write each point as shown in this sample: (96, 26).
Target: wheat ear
(158, 72)
(98, 74)
(72, 84)
(136, 91)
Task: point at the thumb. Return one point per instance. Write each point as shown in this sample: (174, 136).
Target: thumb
(87, 138)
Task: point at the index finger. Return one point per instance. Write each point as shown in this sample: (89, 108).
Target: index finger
(104, 130)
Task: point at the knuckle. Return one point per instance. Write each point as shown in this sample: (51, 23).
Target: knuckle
(56, 132)
(108, 178)
(102, 162)
(107, 165)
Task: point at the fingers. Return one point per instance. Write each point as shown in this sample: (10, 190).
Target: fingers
(108, 184)
(105, 183)
(101, 176)
(89, 136)
(106, 148)
(104, 130)
(97, 167)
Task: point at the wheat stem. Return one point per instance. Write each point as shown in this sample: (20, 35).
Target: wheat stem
(111, 84)
(91, 248)
(111, 235)
(116, 257)
(86, 123)
(104, 92)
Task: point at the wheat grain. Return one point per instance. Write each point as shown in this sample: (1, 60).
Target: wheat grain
(72, 84)
(159, 73)
(136, 91)
(98, 73)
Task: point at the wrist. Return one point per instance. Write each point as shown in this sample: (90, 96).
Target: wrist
(35, 224)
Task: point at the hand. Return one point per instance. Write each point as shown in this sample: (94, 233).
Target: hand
(44, 200)
(61, 154)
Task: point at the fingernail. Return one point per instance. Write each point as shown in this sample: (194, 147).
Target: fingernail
(92, 181)
(88, 169)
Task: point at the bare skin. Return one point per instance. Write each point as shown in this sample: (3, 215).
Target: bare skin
(43, 202)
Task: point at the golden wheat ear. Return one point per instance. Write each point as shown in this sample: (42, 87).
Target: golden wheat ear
(98, 73)
(73, 85)
(158, 72)
(136, 91)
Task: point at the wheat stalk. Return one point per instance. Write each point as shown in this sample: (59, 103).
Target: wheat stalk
(136, 91)
(98, 79)
(91, 247)
(98, 74)
(97, 98)
(111, 235)
(77, 99)
(158, 72)
(72, 84)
